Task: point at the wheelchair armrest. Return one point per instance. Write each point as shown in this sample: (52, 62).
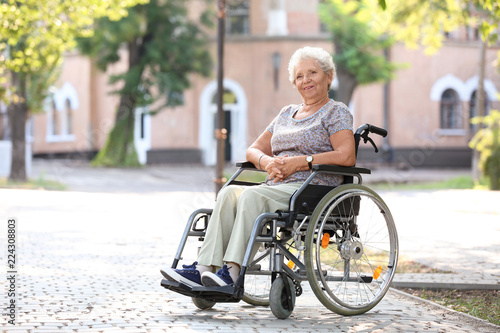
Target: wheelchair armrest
(339, 169)
(316, 167)
(246, 165)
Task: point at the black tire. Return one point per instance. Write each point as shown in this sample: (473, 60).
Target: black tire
(202, 304)
(351, 249)
(278, 298)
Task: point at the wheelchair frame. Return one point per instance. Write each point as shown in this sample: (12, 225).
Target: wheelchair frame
(335, 214)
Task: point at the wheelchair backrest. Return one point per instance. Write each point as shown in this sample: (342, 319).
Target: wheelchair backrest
(312, 194)
(307, 201)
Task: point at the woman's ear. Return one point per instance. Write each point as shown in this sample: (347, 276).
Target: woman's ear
(330, 77)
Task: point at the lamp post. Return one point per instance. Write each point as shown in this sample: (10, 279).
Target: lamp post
(220, 131)
(276, 58)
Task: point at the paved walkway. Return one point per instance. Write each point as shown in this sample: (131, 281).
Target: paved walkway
(89, 257)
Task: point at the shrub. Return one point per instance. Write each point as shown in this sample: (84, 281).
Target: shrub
(487, 142)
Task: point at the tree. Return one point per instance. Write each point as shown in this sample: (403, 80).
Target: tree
(359, 41)
(164, 47)
(33, 38)
(487, 15)
(487, 142)
(422, 22)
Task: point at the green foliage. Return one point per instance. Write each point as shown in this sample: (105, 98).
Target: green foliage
(34, 35)
(164, 48)
(487, 142)
(489, 16)
(423, 22)
(359, 39)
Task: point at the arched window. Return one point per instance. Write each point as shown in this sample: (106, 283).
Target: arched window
(68, 126)
(450, 110)
(55, 120)
(60, 107)
(472, 105)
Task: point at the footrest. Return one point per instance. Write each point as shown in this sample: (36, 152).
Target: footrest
(226, 294)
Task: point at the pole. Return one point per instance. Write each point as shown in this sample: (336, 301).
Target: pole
(480, 111)
(220, 131)
(386, 146)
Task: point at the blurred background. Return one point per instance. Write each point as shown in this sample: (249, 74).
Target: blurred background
(134, 82)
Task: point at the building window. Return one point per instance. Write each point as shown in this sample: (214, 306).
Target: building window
(60, 108)
(175, 98)
(68, 122)
(4, 123)
(472, 33)
(450, 110)
(473, 109)
(53, 120)
(237, 17)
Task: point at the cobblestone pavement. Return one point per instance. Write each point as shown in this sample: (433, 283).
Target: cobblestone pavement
(89, 259)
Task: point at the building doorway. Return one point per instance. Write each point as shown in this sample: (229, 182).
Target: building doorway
(235, 108)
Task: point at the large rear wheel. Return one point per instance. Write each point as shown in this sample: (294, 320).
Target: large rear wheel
(351, 249)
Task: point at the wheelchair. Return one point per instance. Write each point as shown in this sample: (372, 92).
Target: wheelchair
(342, 240)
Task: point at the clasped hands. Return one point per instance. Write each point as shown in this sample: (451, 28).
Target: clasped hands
(280, 167)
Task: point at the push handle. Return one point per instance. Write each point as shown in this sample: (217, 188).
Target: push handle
(364, 130)
(377, 130)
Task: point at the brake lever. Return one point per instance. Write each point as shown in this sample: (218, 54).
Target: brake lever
(367, 138)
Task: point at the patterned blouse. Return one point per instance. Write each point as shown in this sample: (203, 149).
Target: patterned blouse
(308, 136)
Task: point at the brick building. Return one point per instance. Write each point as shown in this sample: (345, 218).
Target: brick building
(426, 108)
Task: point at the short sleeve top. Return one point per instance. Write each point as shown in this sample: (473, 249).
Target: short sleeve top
(311, 135)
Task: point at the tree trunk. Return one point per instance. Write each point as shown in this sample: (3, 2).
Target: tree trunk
(18, 114)
(119, 149)
(347, 84)
(126, 113)
(476, 173)
(347, 81)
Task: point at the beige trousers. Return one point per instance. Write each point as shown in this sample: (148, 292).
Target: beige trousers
(233, 218)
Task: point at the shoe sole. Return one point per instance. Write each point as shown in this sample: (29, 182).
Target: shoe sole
(212, 280)
(172, 275)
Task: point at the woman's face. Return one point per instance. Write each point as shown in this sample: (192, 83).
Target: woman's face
(310, 80)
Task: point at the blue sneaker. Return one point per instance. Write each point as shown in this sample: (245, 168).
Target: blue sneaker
(189, 275)
(219, 279)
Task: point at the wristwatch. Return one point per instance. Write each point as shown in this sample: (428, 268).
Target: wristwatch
(309, 160)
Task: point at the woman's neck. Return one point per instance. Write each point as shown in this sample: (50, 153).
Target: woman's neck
(313, 106)
(307, 110)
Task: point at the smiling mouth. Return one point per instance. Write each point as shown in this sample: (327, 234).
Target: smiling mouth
(308, 87)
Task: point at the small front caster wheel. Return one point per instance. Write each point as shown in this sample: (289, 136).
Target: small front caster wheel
(202, 304)
(278, 298)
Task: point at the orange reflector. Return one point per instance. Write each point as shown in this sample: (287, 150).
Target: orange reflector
(377, 272)
(290, 264)
(325, 240)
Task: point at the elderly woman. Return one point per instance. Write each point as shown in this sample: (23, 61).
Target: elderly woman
(319, 131)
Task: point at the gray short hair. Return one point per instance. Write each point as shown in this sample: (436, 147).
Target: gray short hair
(323, 58)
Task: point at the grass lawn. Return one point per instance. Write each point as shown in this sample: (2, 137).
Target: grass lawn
(483, 304)
(33, 184)
(457, 183)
